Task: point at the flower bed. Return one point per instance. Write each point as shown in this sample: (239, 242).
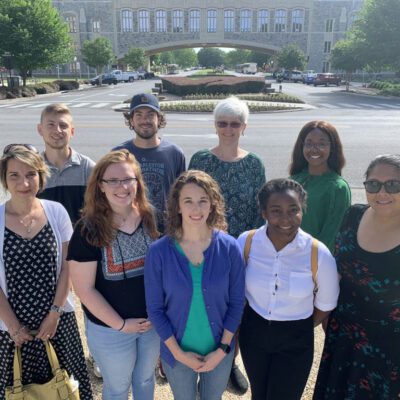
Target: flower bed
(212, 85)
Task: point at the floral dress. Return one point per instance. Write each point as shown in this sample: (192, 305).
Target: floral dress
(361, 357)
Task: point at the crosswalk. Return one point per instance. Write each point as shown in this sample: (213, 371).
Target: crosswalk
(359, 106)
(109, 105)
(95, 105)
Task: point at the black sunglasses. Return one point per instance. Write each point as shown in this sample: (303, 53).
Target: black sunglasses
(224, 124)
(391, 186)
(28, 146)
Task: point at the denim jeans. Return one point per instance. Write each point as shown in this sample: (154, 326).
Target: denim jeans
(183, 380)
(125, 360)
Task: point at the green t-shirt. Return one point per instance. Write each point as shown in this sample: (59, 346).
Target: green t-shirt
(197, 336)
(328, 198)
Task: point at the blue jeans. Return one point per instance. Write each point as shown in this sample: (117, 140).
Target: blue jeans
(183, 380)
(125, 360)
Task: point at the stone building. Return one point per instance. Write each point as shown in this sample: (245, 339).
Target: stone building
(260, 25)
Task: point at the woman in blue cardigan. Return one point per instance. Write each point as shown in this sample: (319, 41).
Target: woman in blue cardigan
(194, 281)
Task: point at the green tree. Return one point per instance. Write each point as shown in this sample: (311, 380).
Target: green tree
(238, 56)
(185, 57)
(260, 58)
(346, 56)
(33, 32)
(291, 57)
(377, 30)
(167, 58)
(135, 57)
(97, 53)
(210, 57)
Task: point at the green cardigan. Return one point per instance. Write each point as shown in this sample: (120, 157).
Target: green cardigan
(328, 197)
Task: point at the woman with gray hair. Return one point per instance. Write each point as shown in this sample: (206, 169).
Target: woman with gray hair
(240, 175)
(361, 358)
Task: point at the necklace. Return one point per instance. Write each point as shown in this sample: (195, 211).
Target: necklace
(29, 225)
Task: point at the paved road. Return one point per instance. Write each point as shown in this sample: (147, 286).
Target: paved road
(368, 126)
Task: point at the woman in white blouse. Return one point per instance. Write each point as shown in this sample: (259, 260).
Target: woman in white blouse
(277, 331)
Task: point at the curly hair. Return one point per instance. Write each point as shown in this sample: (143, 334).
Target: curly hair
(162, 121)
(336, 160)
(280, 186)
(26, 156)
(97, 215)
(216, 219)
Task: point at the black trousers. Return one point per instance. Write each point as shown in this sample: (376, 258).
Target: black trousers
(277, 355)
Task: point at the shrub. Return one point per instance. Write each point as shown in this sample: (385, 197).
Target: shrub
(67, 85)
(272, 97)
(212, 85)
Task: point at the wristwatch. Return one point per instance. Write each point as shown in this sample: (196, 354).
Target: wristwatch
(57, 309)
(225, 348)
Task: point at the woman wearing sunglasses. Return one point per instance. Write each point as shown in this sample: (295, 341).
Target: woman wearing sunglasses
(317, 163)
(361, 357)
(239, 173)
(106, 257)
(35, 297)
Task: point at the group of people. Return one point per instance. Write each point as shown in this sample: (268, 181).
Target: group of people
(191, 266)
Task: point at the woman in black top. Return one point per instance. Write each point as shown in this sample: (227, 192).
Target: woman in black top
(106, 254)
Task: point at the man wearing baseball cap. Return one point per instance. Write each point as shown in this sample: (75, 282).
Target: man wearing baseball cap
(160, 160)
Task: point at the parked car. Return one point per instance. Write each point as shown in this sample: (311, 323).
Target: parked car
(289, 75)
(125, 76)
(327, 79)
(309, 78)
(295, 76)
(107, 79)
(305, 73)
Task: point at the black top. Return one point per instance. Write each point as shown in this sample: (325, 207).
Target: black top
(120, 270)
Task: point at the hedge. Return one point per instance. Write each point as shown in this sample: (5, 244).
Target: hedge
(212, 85)
(271, 97)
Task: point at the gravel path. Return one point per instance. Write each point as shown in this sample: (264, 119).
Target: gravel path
(163, 391)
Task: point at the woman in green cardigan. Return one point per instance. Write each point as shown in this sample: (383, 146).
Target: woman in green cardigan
(317, 163)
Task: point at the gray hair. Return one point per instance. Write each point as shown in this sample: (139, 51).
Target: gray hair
(232, 107)
(388, 159)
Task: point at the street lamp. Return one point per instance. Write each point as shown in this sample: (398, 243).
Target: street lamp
(75, 68)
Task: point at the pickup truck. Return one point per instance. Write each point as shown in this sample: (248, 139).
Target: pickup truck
(125, 76)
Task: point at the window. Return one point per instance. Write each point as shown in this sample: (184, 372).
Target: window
(194, 21)
(352, 19)
(263, 20)
(96, 25)
(327, 47)
(280, 21)
(161, 21)
(126, 21)
(326, 66)
(298, 20)
(144, 21)
(71, 22)
(211, 21)
(245, 20)
(229, 21)
(329, 25)
(177, 21)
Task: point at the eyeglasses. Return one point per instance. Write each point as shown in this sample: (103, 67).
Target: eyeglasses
(391, 186)
(119, 182)
(224, 124)
(9, 147)
(318, 146)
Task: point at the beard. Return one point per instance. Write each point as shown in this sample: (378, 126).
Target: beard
(146, 133)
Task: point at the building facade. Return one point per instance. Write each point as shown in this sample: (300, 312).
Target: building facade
(259, 25)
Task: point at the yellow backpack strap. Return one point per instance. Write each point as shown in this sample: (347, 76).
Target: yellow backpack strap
(247, 245)
(314, 263)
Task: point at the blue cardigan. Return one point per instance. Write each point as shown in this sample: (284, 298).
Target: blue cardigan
(169, 288)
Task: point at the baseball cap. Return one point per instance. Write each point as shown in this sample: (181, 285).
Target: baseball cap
(144, 100)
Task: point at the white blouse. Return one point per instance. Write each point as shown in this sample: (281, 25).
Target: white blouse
(279, 284)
